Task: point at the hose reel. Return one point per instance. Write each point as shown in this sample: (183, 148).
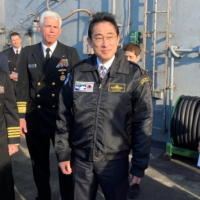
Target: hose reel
(185, 123)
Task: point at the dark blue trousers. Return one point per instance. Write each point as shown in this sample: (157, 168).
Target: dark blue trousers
(111, 175)
(39, 146)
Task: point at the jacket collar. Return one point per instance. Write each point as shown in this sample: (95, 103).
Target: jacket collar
(120, 64)
(90, 64)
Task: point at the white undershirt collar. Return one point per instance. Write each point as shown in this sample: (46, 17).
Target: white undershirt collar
(52, 48)
(19, 50)
(107, 65)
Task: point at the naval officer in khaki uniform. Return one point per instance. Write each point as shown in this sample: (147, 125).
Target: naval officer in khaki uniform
(42, 72)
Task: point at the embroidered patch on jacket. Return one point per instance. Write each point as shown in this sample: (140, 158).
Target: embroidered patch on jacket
(63, 63)
(32, 65)
(84, 86)
(144, 80)
(116, 87)
(1, 89)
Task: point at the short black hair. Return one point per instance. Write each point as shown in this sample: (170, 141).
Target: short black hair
(102, 17)
(14, 34)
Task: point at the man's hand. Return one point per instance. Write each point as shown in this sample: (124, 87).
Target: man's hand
(65, 167)
(134, 179)
(13, 77)
(23, 128)
(12, 148)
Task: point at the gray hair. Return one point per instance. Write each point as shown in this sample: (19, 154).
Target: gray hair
(50, 14)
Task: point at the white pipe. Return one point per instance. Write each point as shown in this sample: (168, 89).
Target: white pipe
(78, 10)
(33, 39)
(126, 32)
(175, 49)
(34, 29)
(113, 7)
(171, 86)
(129, 16)
(172, 48)
(154, 46)
(171, 80)
(187, 50)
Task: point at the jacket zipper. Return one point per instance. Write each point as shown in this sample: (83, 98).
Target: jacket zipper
(97, 111)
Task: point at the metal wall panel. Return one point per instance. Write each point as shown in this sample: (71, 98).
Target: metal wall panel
(2, 23)
(73, 29)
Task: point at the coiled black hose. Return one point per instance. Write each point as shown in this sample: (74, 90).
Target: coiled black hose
(185, 123)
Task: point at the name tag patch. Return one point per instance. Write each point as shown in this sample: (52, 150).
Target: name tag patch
(144, 80)
(1, 89)
(32, 65)
(117, 87)
(84, 86)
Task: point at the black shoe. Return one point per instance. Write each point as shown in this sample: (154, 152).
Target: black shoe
(134, 191)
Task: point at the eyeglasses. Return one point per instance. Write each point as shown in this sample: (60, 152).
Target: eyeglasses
(100, 39)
